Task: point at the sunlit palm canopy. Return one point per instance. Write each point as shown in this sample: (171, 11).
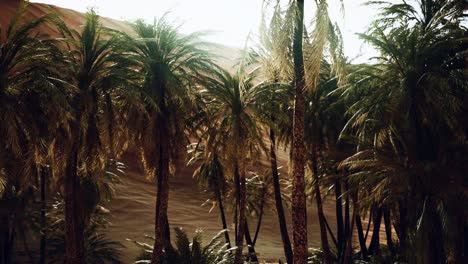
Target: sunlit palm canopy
(172, 67)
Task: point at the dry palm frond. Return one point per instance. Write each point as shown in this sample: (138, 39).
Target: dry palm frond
(314, 50)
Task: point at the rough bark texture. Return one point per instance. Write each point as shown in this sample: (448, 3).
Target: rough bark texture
(299, 210)
(74, 213)
(279, 201)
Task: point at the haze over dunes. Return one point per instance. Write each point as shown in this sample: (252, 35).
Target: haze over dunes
(74, 19)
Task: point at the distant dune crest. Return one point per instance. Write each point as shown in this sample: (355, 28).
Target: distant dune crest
(225, 55)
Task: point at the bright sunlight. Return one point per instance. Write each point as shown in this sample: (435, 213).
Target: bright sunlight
(230, 21)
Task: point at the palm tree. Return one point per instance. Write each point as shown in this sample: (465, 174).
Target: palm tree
(299, 209)
(276, 67)
(91, 62)
(24, 118)
(233, 110)
(170, 66)
(419, 72)
(305, 70)
(307, 57)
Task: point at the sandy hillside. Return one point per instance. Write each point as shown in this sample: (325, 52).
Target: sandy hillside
(224, 55)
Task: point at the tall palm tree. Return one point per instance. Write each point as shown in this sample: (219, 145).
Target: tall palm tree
(24, 117)
(276, 67)
(91, 62)
(299, 208)
(420, 72)
(307, 57)
(171, 68)
(233, 105)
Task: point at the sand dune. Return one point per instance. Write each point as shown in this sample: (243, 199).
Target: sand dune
(225, 56)
(132, 213)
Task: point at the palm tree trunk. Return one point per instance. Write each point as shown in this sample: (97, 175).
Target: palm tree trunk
(236, 217)
(374, 247)
(74, 211)
(339, 216)
(278, 200)
(388, 230)
(347, 226)
(360, 231)
(260, 218)
(241, 199)
(223, 216)
(299, 210)
(330, 232)
(321, 215)
(5, 241)
(401, 227)
(362, 241)
(461, 247)
(371, 213)
(435, 250)
(250, 244)
(167, 232)
(162, 197)
(42, 255)
(349, 238)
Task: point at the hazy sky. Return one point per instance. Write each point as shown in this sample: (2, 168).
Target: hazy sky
(231, 20)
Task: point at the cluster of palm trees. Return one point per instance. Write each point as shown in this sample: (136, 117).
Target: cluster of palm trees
(68, 103)
(387, 140)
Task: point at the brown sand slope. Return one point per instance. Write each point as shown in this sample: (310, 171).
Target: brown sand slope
(73, 18)
(224, 55)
